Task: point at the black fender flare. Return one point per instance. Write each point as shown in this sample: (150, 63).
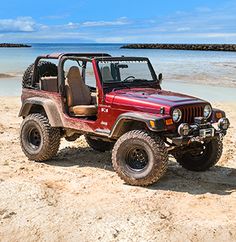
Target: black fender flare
(140, 117)
(49, 107)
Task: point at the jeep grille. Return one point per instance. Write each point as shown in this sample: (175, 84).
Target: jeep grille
(189, 112)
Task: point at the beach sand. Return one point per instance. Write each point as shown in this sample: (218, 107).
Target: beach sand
(78, 197)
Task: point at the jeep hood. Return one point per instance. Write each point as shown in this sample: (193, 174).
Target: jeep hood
(144, 99)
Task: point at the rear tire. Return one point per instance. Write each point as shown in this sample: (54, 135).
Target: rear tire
(45, 68)
(140, 158)
(99, 145)
(208, 157)
(39, 141)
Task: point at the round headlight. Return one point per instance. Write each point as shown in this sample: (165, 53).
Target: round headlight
(176, 115)
(207, 111)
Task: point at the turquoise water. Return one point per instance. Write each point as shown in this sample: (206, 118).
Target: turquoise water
(217, 70)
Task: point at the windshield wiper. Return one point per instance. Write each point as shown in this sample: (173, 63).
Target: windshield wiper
(124, 84)
(121, 84)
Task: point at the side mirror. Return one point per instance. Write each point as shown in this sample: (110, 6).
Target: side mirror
(160, 78)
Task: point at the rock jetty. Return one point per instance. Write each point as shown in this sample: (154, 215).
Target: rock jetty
(7, 45)
(210, 47)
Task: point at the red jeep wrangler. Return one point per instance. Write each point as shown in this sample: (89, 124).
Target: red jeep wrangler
(117, 103)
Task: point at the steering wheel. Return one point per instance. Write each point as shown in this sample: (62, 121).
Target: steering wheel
(128, 77)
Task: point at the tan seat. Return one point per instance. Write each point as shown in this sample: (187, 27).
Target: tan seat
(84, 110)
(79, 98)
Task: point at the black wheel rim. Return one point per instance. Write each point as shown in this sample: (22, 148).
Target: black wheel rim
(136, 159)
(201, 150)
(34, 138)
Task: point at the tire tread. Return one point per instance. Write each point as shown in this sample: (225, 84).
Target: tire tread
(217, 146)
(51, 137)
(160, 153)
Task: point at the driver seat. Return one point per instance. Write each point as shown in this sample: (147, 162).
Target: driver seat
(79, 99)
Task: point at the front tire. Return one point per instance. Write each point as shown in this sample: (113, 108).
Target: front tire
(39, 141)
(208, 155)
(140, 158)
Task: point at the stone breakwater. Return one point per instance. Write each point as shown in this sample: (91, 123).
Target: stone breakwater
(7, 45)
(207, 47)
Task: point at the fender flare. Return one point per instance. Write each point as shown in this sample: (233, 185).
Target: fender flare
(140, 117)
(215, 119)
(49, 107)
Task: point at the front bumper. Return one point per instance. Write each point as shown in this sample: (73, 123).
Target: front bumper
(201, 132)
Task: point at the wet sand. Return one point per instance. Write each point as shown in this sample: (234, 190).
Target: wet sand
(78, 197)
(6, 76)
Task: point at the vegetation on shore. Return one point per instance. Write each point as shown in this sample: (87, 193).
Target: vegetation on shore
(207, 47)
(8, 45)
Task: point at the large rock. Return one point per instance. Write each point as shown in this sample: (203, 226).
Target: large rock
(7, 45)
(212, 47)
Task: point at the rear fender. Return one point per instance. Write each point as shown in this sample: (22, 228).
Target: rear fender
(48, 106)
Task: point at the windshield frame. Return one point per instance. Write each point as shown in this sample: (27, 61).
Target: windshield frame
(122, 58)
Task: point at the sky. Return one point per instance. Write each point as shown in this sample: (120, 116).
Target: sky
(121, 21)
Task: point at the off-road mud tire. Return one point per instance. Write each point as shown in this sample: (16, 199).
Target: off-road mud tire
(211, 156)
(49, 138)
(45, 68)
(156, 152)
(99, 145)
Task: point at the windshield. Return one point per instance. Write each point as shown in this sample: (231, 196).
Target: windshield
(125, 71)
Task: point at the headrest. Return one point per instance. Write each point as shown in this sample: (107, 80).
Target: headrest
(73, 73)
(106, 73)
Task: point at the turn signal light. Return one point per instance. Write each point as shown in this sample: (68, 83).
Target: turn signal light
(219, 115)
(152, 123)
(169, 121)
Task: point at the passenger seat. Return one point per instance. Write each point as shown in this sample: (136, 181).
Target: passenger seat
(79, 98)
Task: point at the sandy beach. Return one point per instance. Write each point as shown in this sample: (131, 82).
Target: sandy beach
(78, 197)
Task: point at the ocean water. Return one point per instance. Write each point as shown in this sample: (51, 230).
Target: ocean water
(184, 71)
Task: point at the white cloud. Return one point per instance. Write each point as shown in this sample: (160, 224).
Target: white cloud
(72, 25)
(55, 17)
(203, 9)
(21, 24)
(117, 22)
(183, 29)
(216, 35)
(111, 40)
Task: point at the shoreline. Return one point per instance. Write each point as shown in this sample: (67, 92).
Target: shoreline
(206, 91)
(169, 78)
(7, 76)
(172, 78)
(201, 47)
